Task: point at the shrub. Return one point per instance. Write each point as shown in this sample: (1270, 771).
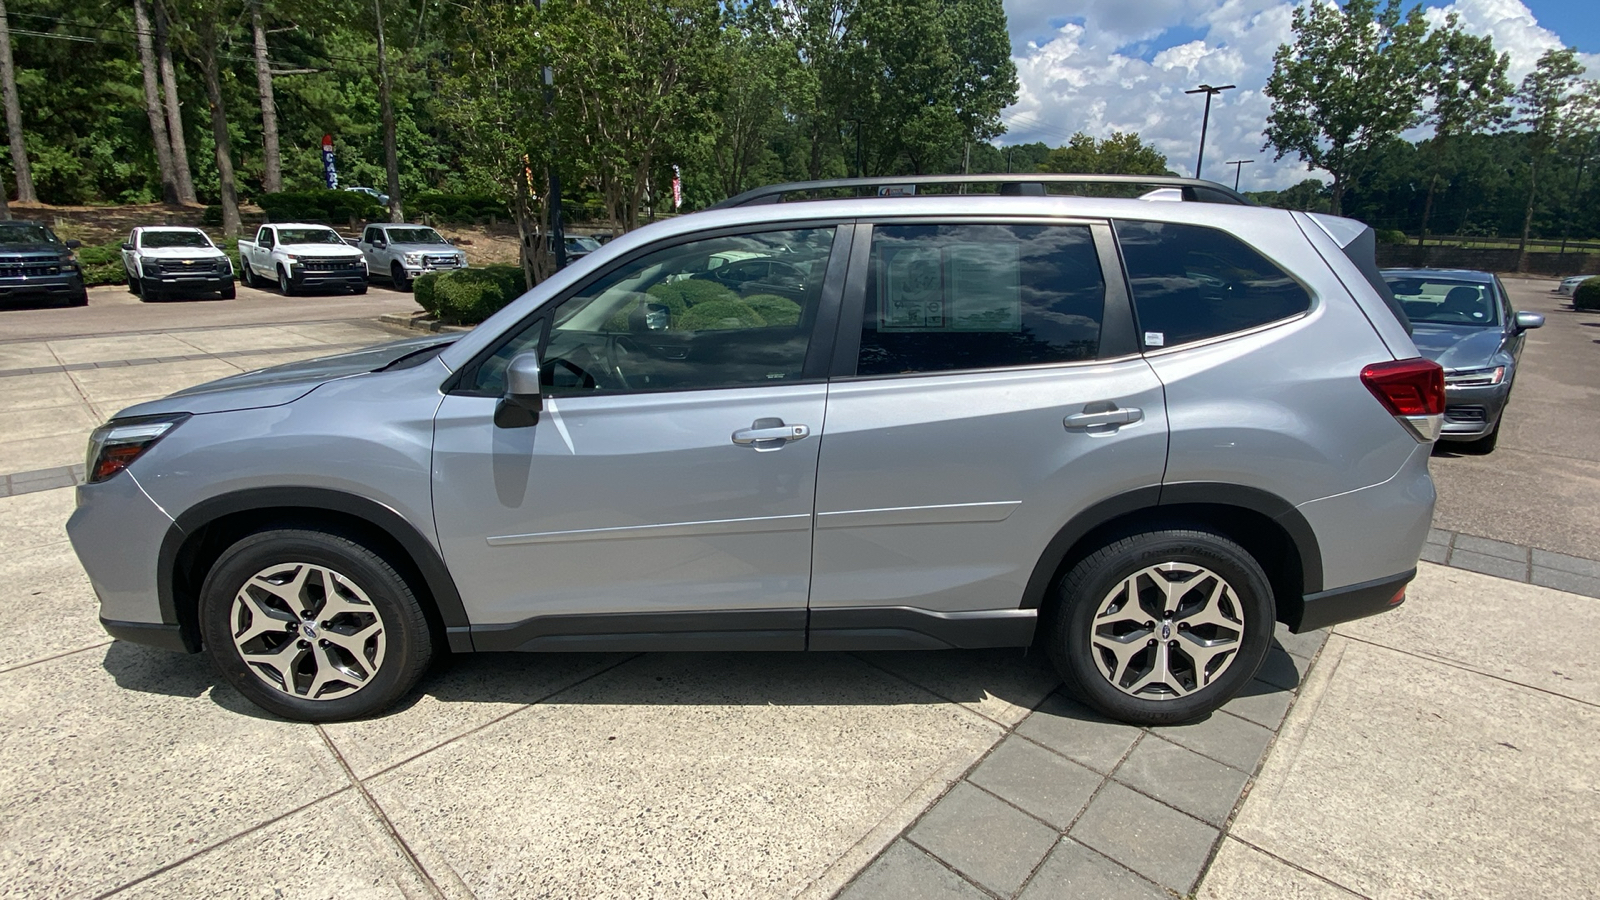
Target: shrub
(422, 290)
(444, 207)
(1390, 236)
(102, 264)
(1587, 296)
(333, 207)
(775, 310)
(212, 216)
(468, 296)
(689, 292)
(718, 314)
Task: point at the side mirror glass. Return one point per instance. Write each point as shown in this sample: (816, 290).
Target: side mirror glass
(1529, 320)
(127, 246)
(657, 316)
(523, 400)
(73, 245)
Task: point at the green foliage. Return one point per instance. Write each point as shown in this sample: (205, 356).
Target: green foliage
(468, 296)
(102, 264)
(443, 207)
(423, 290)
(330, 207)
(1587, 296)
(690, 291)
(1120, 154)
(1390, 236)
(714, 315)
(774, 310)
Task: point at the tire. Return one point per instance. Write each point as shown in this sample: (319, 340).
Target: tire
(1482, 446)
(285, 286)
(229, 293)
(82, 299)
(397, 276)
(1127, 685)
(133, 282)
(149, 292)
(245, 275)
(378, 636)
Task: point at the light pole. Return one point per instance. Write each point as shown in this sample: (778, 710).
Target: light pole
(1238, 166)
(1210, 92)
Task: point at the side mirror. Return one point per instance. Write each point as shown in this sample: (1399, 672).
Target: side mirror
(523, 401)
(380, 243)
(1529, 320)
(657, 316)
(127, 246)
(73, 245)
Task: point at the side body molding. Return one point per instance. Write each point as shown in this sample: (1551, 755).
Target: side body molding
(422, 553)
(1255, 500)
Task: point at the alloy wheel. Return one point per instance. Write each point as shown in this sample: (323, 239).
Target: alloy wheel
(1167, 631)
(307, 631)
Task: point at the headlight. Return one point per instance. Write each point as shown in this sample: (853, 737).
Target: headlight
(292, 257)
(1476, 377)
(115, 445)
(414, 258)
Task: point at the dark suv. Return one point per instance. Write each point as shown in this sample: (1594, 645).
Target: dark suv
(34, 263)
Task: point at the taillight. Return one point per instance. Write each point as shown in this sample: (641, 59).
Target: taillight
(115, 445)
(1412, 390)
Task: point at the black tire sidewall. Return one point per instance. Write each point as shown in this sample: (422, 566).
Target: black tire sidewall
(409, 645)
(285, 286)
(1092, 579)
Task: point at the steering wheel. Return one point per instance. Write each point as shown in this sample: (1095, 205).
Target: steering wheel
(619, 347)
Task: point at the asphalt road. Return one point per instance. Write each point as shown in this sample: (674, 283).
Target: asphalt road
(1541, 486)
(113, 310)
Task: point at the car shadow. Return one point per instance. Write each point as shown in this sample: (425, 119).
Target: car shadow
(981, 679)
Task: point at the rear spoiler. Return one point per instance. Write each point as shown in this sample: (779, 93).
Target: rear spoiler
(1360, 244)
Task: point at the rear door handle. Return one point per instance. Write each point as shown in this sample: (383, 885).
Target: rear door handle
(1116, 417)
(769, 434)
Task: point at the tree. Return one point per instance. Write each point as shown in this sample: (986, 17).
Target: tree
(391, 154)
(1350, 82)
(1120, 154)
(271, 156)
(152, 103)
(1467, 84)
(206, 33)
(169, 83)
(1544, 102)
(8, 87)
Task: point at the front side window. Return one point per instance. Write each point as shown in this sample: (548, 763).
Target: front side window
(1191, 283)
(666, 321)
(1446, 301)
(945, 297)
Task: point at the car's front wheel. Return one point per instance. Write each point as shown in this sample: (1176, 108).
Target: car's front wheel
(285, 286)
(1162, 627)
(313, 626)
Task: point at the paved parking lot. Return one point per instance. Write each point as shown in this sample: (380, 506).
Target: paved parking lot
(1426, 752)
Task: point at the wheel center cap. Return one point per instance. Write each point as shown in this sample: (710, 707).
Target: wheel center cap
(1166, 631)
(309, 629)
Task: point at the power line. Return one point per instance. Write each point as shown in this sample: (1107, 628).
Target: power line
(57, 20)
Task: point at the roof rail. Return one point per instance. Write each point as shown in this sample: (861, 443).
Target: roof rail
(1031, 184)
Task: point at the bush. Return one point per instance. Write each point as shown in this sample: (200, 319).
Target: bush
(442, 207)
(422, 290)
(212, 216)
(102, 264)
(689, 292)
(775, 310)
(1587, 296)
(1391, 236)
(468, 296)
(331, 207)
(719, 314)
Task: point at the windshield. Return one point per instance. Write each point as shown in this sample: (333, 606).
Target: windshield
(309, 236)
(415, 236)
(156, 239)
(18, 233)
(1443, 301)
(586, 244)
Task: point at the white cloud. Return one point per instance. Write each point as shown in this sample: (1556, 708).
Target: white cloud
(1096, 73)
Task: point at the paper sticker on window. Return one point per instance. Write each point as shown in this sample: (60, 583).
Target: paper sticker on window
(983, 285)
(1155, 338)
(911, 285)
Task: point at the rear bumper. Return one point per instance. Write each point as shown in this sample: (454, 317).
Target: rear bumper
(165, 637)
(1356, 601)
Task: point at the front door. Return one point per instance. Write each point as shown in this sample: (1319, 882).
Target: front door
(664, 498)
(993, 392)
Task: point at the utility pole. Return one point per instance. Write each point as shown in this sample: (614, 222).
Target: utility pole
(1238, 165)
(1205, 121)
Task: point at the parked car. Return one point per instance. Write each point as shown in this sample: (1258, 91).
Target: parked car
(1463, 320)
(406, 251)
(374, 193)
(953, 435)
(1569, 286)
(169, 260)
(301, 257)
(579, 246)
(36, 264)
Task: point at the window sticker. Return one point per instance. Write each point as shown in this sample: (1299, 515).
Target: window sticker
(983, 287)
(1155, 339)
(912, 288)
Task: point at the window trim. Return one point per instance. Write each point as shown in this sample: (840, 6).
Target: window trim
(1117, 329)
(818, 350)
(1311, 292)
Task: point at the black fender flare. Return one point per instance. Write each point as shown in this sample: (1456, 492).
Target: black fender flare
(1256, 500)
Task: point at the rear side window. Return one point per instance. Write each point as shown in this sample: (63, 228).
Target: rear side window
(1191, 283)
(944, 297)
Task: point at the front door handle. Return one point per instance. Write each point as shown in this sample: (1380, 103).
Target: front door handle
(769, 434)
(1107, 419)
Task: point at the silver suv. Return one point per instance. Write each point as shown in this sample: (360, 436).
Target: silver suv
(1134, 433)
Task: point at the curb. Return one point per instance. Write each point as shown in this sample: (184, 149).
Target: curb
(420, 321)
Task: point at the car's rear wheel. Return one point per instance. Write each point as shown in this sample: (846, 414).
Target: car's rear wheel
(1162, 627)
(313, 626)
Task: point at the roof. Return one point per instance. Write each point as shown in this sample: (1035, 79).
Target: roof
(167, 228)
(1461, 274)
(1033, 184)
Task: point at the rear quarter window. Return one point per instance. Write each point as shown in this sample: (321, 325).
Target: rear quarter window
(1191, 283)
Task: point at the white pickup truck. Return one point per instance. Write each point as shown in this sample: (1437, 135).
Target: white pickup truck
(164, 261)
(302, 258)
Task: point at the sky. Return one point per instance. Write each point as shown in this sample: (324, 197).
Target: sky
(1100, 66)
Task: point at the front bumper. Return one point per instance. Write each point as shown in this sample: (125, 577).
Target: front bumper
(196, 282)
(1473, 412)
(336, 279)
(64, 285)
(117, 532)
(413, 272)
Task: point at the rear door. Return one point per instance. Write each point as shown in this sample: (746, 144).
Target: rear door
(664, 498)
(987, 388)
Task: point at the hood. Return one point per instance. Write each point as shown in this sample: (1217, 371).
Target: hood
(319, 249)
(282, 384)
(182, 253)
(43, 247)
(425, 248)
(1458, 346)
